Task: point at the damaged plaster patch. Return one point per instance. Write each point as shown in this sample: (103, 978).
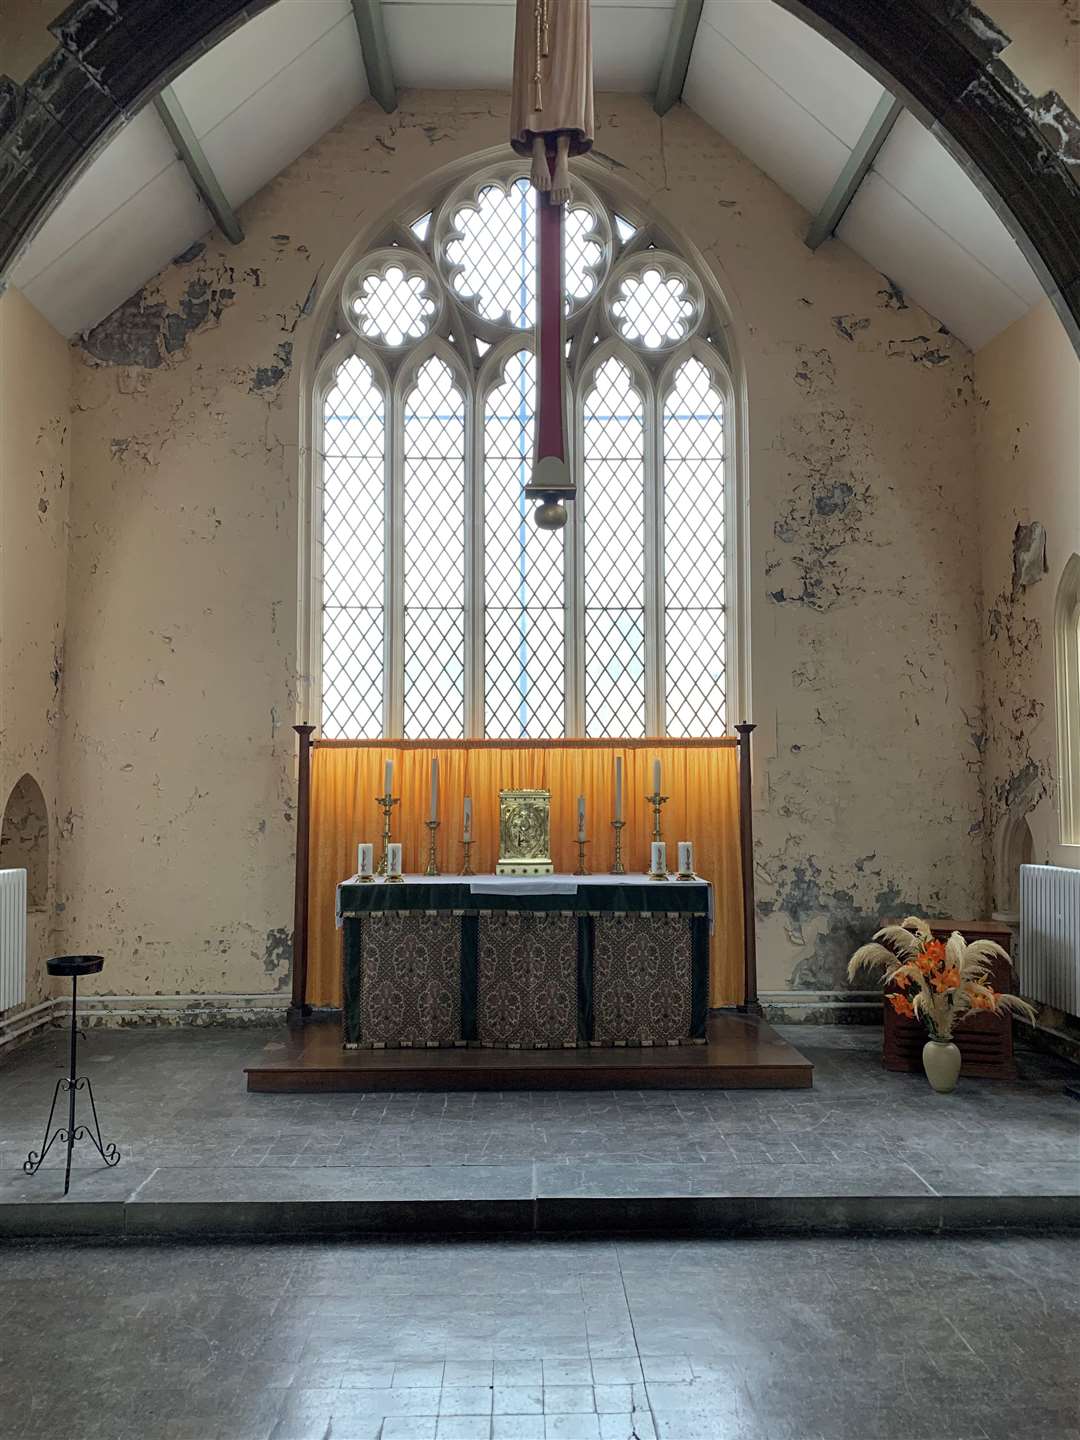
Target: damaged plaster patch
(144, 331)
(809, 899)
(277, 957)
(1029, 556)
(849, 325)
(920, 350)
(269, 377)
(828, 512)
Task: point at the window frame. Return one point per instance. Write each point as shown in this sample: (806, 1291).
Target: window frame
(593, 340)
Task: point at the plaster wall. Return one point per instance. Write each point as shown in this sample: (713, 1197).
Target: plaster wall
(1028, 382)
(863, 573)
(25, 40)
(35, 469)
(1044, 48)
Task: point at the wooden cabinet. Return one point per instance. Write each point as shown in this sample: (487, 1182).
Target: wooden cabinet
(985, 1040)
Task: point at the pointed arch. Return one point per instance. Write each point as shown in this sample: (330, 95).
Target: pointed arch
(24, 838)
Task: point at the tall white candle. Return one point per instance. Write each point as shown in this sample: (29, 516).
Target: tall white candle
(658, 852)
(656, 777)
(393, 858)
(618, 787)
(365, 859)
(686, 857)
(581, 817)
(467, 833)
(435, 788)
(388, 778)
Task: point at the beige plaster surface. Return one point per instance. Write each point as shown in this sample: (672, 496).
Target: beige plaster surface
(1045, 44)
(35, 489)
(24, 35)
(863, 581)
(1028, 381)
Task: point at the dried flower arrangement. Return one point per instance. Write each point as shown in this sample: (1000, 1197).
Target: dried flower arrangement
(950, 977)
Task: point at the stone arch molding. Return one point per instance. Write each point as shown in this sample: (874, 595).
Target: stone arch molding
(24, 839)
(1067, 668)
(939, 56)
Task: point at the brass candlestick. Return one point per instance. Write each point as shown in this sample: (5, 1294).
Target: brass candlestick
(432, 864)
(581, 867)
(618, 868)
(466, 868)
(656, 800)
(386, 804)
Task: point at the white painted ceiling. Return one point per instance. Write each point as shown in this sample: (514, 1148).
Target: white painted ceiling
(788, 99)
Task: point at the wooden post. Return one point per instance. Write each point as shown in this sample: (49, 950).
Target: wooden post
(750, 1003)
(300, 1009)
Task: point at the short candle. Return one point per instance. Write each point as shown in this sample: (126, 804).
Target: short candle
(393, 858)
(365, 859)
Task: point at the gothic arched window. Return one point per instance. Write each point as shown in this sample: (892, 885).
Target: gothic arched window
(445, 613)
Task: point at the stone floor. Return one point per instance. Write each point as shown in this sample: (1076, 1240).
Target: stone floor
(174, 1101)
(896, 1339)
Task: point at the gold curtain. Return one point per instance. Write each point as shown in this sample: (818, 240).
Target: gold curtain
(701, 777)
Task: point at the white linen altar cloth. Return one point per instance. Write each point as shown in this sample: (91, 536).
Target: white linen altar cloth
(527, 885)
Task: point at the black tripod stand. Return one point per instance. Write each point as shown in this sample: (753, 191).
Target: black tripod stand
(73, 965)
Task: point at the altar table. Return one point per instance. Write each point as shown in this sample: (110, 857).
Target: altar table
(524, 962)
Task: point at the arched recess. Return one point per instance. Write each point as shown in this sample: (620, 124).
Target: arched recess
(1013, 847)
(24, 839)
(940, 56)
(1067, 665)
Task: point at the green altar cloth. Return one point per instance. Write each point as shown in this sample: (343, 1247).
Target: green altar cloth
(554, 961)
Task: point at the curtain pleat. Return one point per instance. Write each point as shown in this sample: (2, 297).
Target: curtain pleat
(701, 777)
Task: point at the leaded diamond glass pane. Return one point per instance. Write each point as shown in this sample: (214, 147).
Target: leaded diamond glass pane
(352, 544)
(394, 307)
(494, 260)
(613, 506)
(694, 553)
(652, 308)
(523, 574)
(434, 544)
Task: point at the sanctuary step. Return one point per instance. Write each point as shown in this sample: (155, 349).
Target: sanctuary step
(742, 1052)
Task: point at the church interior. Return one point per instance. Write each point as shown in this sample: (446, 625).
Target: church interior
(539, 719)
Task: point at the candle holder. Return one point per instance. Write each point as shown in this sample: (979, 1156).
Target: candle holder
(618, 868)
(432, 863)
(582, 869)
(657, 801)
(386, 804)
(466, 867)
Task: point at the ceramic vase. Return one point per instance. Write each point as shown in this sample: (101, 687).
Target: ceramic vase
(941, 1061)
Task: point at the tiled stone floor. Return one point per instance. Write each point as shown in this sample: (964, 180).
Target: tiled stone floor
(899, 1339)
(175, 1103)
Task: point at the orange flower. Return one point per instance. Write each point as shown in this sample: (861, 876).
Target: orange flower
(984, 1002)
(901, 979)
(935, 952)
(902, 1005)
(947, 980)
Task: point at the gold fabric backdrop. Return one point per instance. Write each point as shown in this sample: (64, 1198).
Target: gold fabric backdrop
(701, 777)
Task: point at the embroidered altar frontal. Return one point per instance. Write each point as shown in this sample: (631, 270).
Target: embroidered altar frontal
(433, 963)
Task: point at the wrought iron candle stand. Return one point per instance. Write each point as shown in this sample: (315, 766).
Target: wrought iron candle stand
(618, 868)
(432, 862)
(73, 965)
(386, 804)
(582, 868)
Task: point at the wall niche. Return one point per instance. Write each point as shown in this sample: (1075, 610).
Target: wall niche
(24, 839)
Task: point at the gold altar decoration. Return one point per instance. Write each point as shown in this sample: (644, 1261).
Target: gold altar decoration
(524, 833)
(701, 776)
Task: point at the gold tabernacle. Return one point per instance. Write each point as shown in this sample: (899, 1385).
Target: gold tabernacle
(524, 832)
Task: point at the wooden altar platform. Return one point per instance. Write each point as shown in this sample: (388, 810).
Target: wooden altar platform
(742, 1052)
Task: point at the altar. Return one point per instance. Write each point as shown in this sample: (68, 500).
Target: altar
(554, 961)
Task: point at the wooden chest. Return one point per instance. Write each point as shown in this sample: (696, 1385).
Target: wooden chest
(985, 1040)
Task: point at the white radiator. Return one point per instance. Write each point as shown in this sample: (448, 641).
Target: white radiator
(1050, 935)
(12, 938)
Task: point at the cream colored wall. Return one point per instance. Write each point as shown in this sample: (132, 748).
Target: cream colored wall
(35, 490)
(25, 40)
(863, 573)
(1028, 381)
(1045, 44)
